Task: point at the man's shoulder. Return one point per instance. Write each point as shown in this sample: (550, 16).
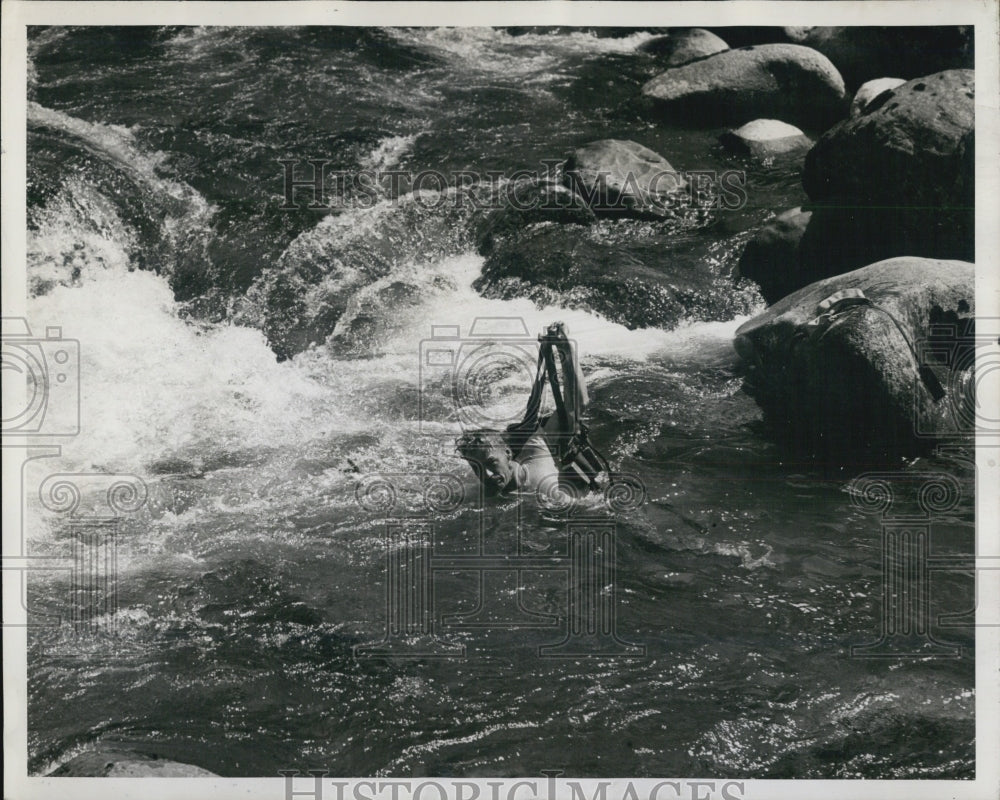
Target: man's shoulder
(537, 445)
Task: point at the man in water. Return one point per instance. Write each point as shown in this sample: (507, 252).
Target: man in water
(523, 456)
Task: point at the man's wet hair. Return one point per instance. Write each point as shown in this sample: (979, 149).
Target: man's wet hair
(476, 445)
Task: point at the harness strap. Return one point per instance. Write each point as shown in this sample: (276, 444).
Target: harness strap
(848, 300)
(577, 457)
(535, 399)
(520, 432)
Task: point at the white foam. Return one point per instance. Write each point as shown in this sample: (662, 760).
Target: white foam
(388, 152)
(530, 57)
(595, 336)
(81, 228)
(76, 234)
(152, 384)
(118, 143)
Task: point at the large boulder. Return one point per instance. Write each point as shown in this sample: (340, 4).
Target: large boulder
(771, 258)
(896, 180)
(861, 380)
(111, 763)
(766, 139)
(683, 46)
(869, 90)
(786, 81)
(865, 52)
(619, 177)
(638, 286)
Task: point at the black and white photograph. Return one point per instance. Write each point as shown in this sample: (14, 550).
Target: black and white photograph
(484, 401)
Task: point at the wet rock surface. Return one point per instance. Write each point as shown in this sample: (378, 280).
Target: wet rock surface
(858, 380)
(896, 180)
(786, 81)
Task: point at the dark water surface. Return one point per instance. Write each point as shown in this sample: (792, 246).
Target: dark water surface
(155, 227)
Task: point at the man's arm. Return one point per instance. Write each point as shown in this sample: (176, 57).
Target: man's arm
(574, 387)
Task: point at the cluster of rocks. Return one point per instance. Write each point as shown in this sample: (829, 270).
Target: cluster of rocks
(567, 261)
(894, 178)
(890, 216)
(860, 381)
(889, 219)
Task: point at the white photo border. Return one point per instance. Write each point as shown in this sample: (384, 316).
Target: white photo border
(983, 14)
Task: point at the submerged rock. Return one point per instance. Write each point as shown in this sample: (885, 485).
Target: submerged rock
(109, 763)
(771, 258)
(853, 382)
(773, 80)
(299, 303)
(896, 180)
(869, 91)
(637, 287)
(865, 52)
(766, 138)
(684, 45)
(375, 314)
(619, 177)
(530, 201)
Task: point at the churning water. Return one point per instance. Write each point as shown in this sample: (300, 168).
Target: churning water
(157, 239)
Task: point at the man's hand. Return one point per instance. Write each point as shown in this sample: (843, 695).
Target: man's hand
(557, 331)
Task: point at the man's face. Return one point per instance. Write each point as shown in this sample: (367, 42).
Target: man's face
(499, 466)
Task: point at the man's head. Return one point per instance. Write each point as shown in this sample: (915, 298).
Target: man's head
(490, 456)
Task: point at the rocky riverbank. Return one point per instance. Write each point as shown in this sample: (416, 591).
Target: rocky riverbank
(887, 165)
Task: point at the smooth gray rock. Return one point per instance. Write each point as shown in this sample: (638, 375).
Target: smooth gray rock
(862, 53)
(786, 81)
(771, 258)
(619, 177)
(766, 138)
(684, 45)
(109, 763)
(639, 288)
(854, 384)
(896, 180)
(527, 202)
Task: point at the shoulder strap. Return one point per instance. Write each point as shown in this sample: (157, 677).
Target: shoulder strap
(519, 432)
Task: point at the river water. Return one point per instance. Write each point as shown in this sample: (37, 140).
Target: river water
(155, 229)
